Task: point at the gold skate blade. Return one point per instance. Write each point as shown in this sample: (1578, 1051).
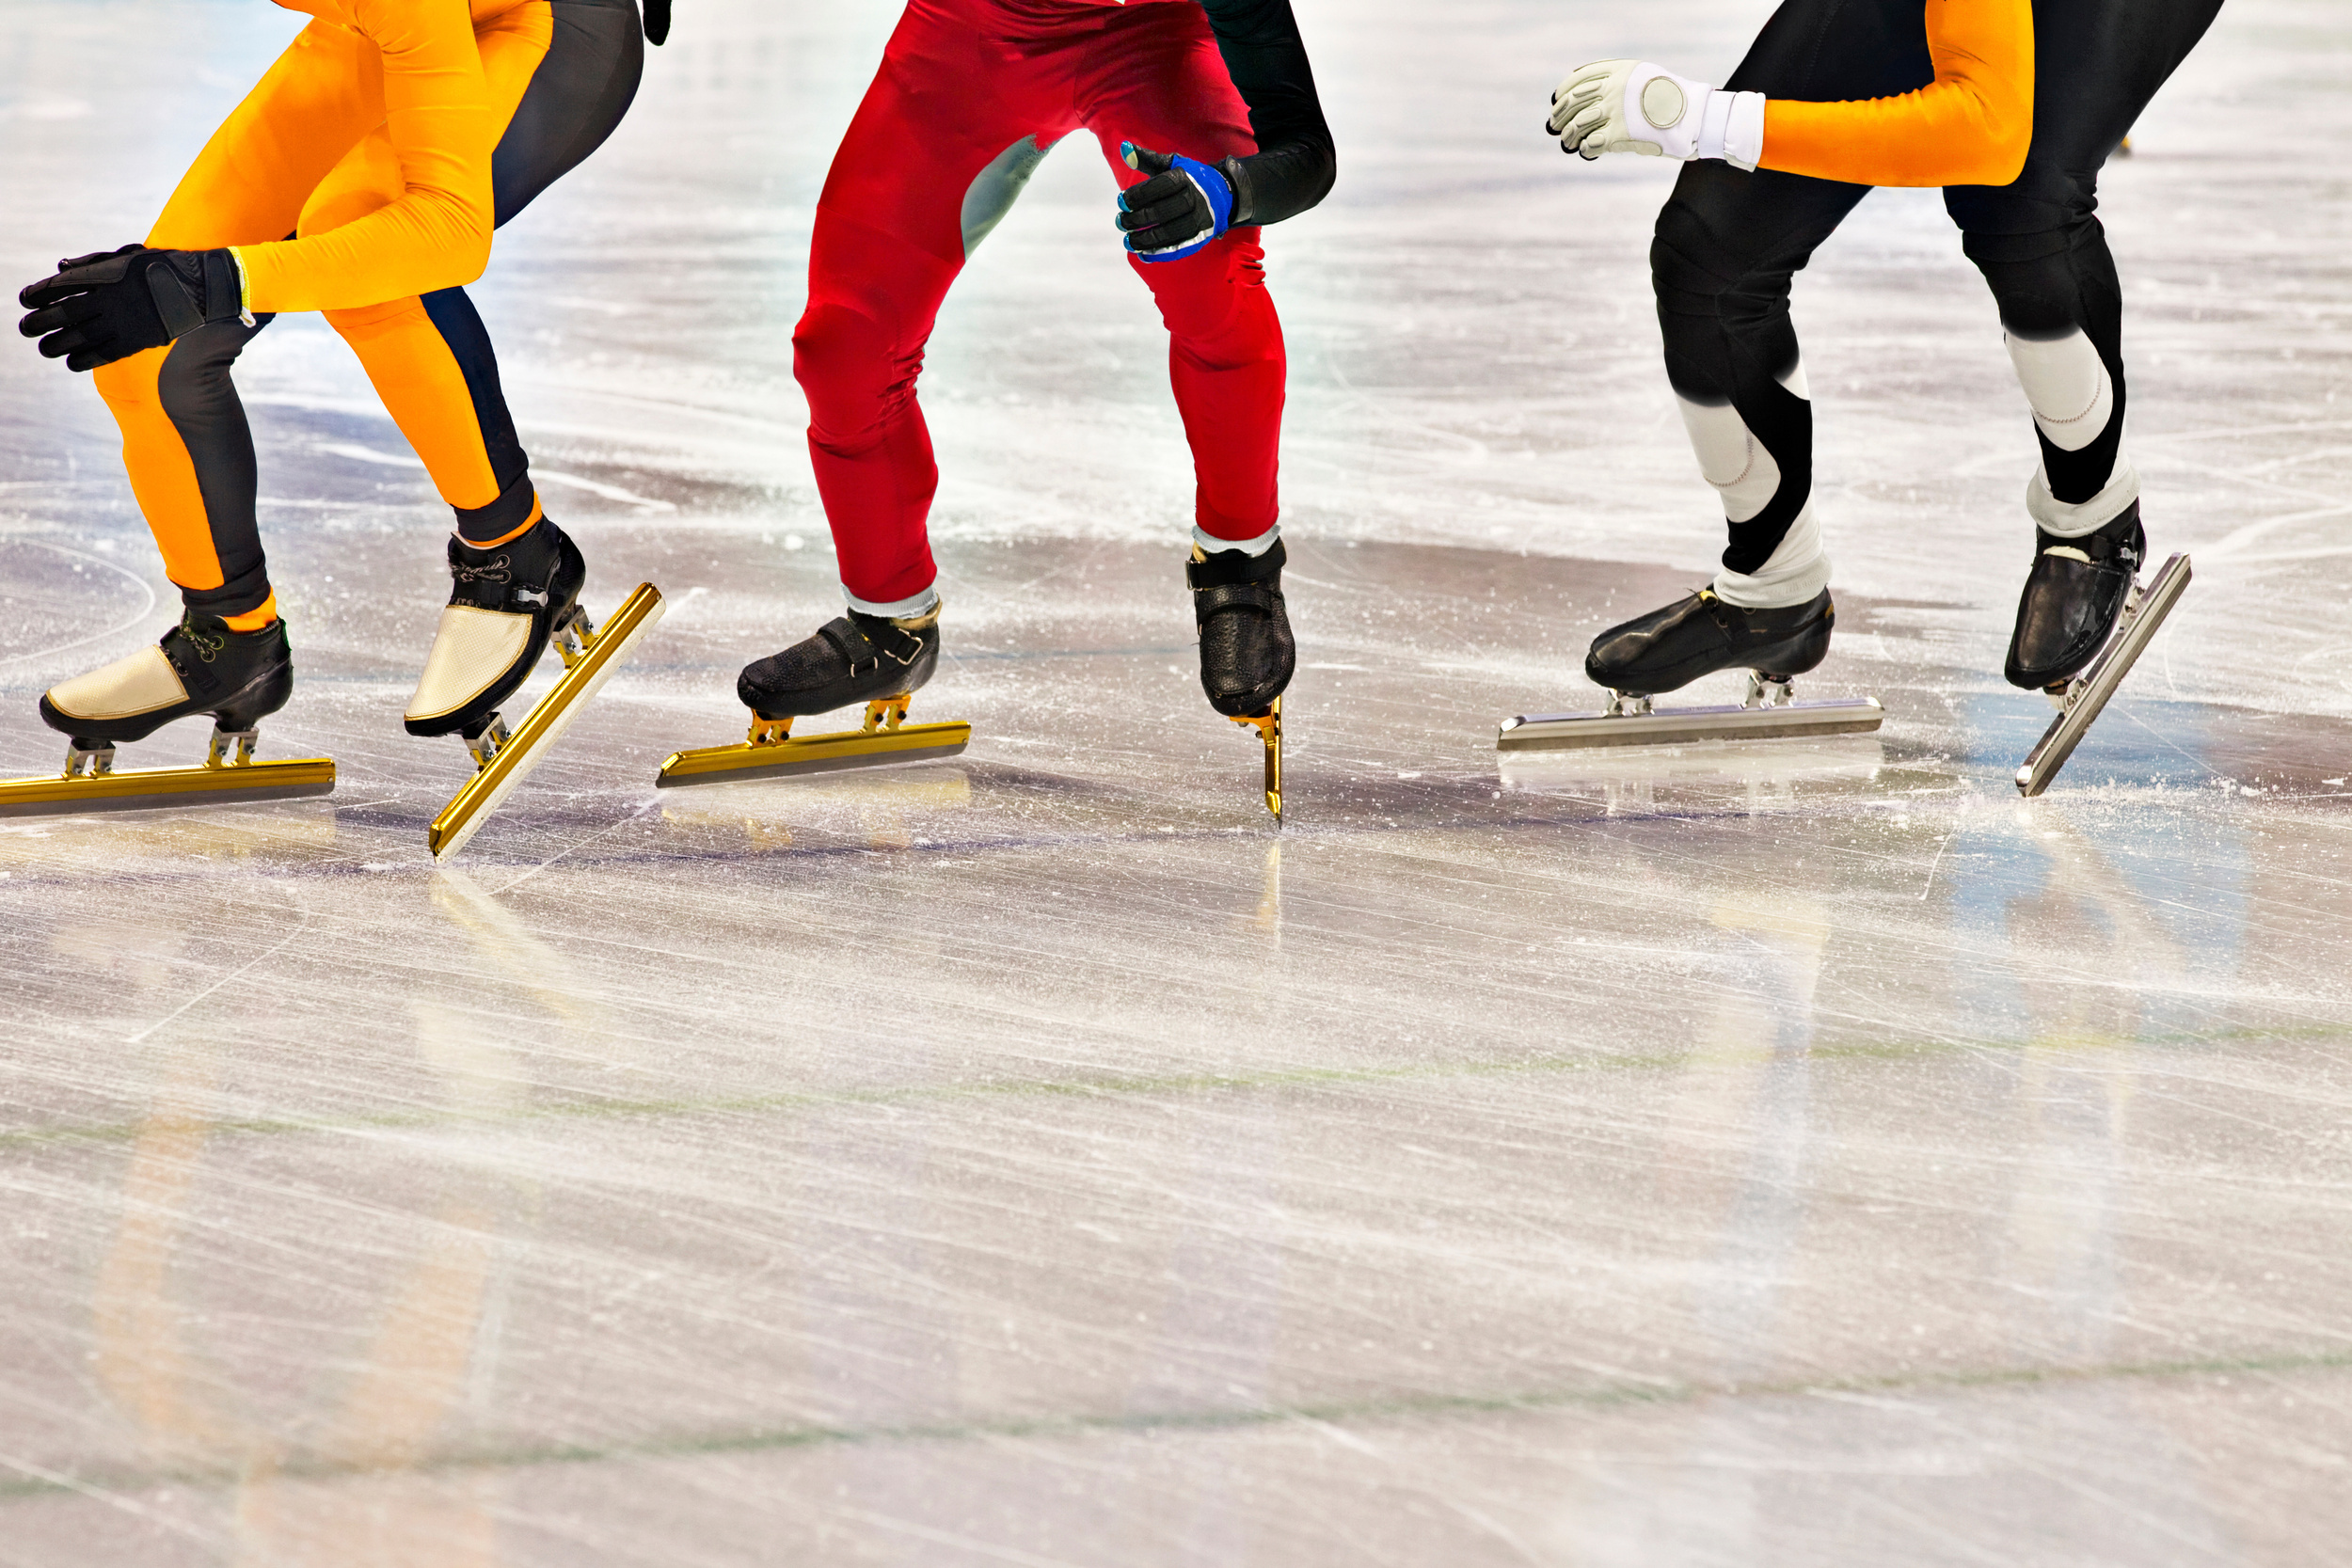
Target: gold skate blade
(548, 720)
(2087, 693)
(154, 788)
(815, 754)
(1682, 726)
(1269, 727)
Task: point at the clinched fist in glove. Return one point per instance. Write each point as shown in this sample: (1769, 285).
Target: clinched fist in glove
(1635, 107)
(1184, 206)
(112, 304)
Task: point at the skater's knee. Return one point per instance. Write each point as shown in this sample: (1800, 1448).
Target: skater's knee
(366, 321)
(850, 369)
(128, 385)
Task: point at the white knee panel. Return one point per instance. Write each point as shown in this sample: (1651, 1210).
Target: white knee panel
(1730, 458)
(2072, 397)
(2067, 386)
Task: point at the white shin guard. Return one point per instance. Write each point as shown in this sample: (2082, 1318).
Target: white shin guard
(1747, 477)
(2072, 397)
(1794, 572)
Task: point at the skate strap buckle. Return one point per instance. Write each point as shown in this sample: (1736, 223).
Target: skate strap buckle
(231, 748)
(94, 761)
(769, 732)
(1766, 691)
(1627, 704)
(489, 743)
(887, 712)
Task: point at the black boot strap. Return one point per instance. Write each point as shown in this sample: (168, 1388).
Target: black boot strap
(853, 644)
(1231, 567)
(1264, 597)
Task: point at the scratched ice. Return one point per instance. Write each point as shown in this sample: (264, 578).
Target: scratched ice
(1805, 1155)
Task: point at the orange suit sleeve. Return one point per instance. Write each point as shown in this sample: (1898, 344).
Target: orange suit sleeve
(1970, 127)
(436, 234)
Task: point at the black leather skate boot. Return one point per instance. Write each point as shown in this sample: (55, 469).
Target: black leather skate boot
(1672, 647)
(2074, 596)
(505, 602)
(200, 666)
(1247, 654)
(856, 658)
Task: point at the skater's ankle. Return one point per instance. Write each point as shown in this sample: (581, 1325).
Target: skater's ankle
(260, 619)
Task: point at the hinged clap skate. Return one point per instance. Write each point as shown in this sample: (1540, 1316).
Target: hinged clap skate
(1699, 635)
(875, 659)
(200, 666)
(1769, 711)
(772, 751)
(503, 759)
(2080, 699)
(230, 774)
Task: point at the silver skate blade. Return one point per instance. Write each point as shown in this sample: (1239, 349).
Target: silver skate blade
(814, 753)
(548, 720)
(2087, 693)
(1679, 726)
(157, 789)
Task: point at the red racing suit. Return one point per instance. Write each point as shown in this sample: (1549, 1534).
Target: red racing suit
(970, 94)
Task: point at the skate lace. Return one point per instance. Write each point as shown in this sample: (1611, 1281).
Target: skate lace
(493, 570)
(207, 649)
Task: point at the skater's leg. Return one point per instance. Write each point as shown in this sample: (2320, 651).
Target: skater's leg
(2042, 249)
(1727, 246)
(189, 453)
(1157, 79)
(185, 442)
(949, 129)
(563, 75)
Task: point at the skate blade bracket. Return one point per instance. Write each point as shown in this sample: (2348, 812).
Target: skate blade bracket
(1269, 727)
(1769, 714)
(511, 757)
(772, 752)
(228, 776)
(2087, 694)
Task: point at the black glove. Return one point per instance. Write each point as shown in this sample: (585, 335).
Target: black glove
(112, 304)
(657, 22)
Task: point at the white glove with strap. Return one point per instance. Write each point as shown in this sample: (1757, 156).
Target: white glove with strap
(1635, 107)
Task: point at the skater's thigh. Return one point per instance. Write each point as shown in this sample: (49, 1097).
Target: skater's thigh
(2098, 63)
(370, 176)
(572, 80)
(1724, 230)
(951, 121)
(1824, 50)
(1155, 78)
(248, 186)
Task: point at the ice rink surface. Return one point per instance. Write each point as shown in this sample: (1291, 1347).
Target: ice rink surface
(1808, 1154)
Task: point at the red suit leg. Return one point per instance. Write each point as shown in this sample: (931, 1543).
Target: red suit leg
(1154, 77)
(947, 105)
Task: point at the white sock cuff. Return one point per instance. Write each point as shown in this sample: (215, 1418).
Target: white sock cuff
(1263, 542)
(919, 604)
(2071, 520)
(1798, 570)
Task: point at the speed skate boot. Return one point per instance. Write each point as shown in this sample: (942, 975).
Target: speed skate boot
(875, 659)
(1247, 654)
(2073, 598)
(200, 666)
(1696, 636)
(1669, 648)
(507, 602)
(2082, 621)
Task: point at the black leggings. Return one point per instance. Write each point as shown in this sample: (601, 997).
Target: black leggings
(1728, 242)
(576, 98)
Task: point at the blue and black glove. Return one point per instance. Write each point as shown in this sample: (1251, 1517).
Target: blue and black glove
(1183, 207)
